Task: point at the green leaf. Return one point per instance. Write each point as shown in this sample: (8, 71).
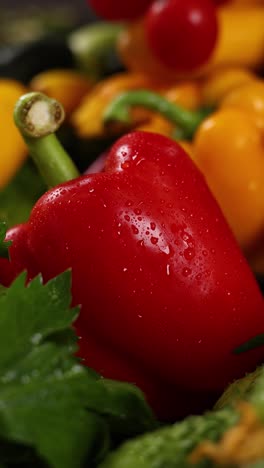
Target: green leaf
(126, 399)
(52, 408)
(2, 290)
(37, 311)
(49, 412)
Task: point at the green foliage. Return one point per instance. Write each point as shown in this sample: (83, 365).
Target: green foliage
(18, 198)
(53, 410)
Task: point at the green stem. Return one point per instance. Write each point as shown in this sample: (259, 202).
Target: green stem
(93, 44)
(253, 343)
(37, 118)
(185, 120)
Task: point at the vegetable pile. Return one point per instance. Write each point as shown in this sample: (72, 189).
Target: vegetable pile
(131, 239)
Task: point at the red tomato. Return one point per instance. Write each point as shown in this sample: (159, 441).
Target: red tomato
(119, 9)
(182, 34)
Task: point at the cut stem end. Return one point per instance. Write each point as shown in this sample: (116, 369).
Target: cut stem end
(36, 115)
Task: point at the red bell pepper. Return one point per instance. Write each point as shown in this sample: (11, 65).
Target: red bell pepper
(7, 272)
(166, 295)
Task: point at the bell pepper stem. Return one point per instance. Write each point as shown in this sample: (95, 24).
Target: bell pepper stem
(37, 117)
(186, 121)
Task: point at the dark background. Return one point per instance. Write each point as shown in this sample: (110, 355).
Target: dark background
(16, 16)
(80, 5)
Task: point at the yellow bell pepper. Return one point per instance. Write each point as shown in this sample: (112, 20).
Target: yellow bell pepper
(220, 82)
(13, 149)
(228, 148)
(87, 119)
(241, 37)
(249, 97)
(66, 86)
(246, 2)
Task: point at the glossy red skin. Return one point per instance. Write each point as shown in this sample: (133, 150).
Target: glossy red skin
(165, 292)
(7, 272)
(119, 9)
(221, 2)
(182, 34)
